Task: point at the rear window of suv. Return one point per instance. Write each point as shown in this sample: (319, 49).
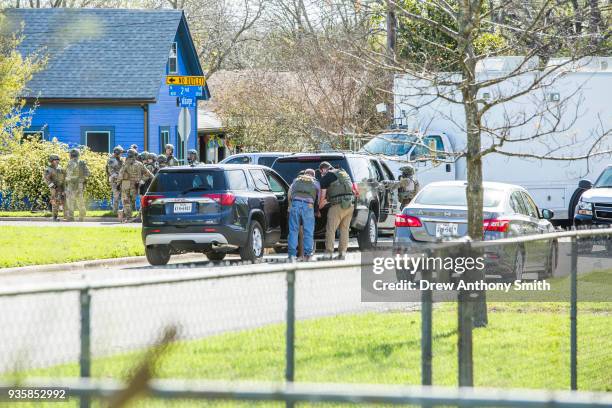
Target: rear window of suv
(188, 179)
(290, 168)
(455, 195)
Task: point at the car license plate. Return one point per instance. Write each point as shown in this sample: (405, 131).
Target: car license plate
(443, 230)
(182, 208)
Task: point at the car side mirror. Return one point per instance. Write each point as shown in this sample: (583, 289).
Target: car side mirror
(547, 214)
(585, 184)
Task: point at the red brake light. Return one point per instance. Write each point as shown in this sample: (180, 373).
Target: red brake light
(404, 220)
(146, 200)
(223, 198)
(496, 225)
(356, 190)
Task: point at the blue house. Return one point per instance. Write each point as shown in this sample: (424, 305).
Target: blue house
(105, 79)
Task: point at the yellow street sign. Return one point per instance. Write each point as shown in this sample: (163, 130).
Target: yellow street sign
(185, 80)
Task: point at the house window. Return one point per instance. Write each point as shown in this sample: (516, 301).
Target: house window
(173, 60)
(164, 138)
(34, 134)
(98, 138)
(98, 141)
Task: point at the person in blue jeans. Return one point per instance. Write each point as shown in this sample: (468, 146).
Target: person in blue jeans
(303, 200)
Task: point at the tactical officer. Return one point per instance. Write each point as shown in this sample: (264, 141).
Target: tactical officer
(408, 185)
(134, 147)
(113, 165)
(170, 159)
(337, 189)
(304, 195)
(76, 177)
(142, 156)
(192, 157)
(132, 175)
(161, 162)
(54, 177)
(150, 164)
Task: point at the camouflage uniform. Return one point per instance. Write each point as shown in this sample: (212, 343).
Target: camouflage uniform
(113, 165)
(131, 175)
(54, 177)
(150, 164)
(170, 159)
(342, 199)
(192, 157)
(76, 176)
(408, 185)
(161, 162)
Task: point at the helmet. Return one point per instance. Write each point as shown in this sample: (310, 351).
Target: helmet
(192, 151)
(407, 170)
(118, 149)
(161, 158)
(74, 153)
(143, 155)
(134, 146)
(169, 146)
(152, 156)
(131, 154)
(53, 157)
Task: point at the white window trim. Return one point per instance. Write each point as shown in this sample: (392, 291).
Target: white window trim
(173, 54)
(108, 135)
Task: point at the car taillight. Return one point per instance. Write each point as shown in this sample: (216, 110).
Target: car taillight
(223, 198)
(496, 225)
(356, 189)
(404, 220)
(146, 200)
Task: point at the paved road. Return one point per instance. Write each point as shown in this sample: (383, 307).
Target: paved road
(43, 330)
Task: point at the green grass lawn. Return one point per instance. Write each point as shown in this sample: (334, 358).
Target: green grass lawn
(90, 213)
(23, 246)
(524, 346)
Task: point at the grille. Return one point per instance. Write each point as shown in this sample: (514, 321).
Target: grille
(603, 211)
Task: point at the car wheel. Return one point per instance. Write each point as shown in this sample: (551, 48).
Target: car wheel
(215, 255)
(254, 247)
(552, 260)
(157, 254)
(368, 236)
(519, 265)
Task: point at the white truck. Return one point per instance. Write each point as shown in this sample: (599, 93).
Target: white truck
(569, 116)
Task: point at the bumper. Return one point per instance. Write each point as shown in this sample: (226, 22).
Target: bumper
(168, 239)
(587, 220)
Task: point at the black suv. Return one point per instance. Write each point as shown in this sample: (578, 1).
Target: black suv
(376, 205)
(213, 209)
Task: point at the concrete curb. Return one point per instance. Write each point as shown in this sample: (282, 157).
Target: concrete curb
(48, 219)
(97, 263)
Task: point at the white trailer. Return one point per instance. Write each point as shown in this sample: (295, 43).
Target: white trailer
(569, 116)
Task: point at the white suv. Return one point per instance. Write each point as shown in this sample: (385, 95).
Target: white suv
(263, 159)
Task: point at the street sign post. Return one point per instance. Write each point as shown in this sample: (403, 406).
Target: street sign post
(185, 80)
(181, 90)
(184, 125)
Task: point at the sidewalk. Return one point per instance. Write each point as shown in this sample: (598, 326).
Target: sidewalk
(48, 222)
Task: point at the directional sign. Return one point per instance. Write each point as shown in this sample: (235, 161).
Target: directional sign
(185, 80)
(184, 124)
(188, 101)
(179, 90)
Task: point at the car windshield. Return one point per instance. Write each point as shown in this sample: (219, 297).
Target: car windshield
(390, 144)
(605, 180)
(455, 196)
(188, 180)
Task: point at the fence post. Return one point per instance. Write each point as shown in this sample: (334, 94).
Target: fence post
(574, 316)
(85, 354)
(290, 334)
(426, 332)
